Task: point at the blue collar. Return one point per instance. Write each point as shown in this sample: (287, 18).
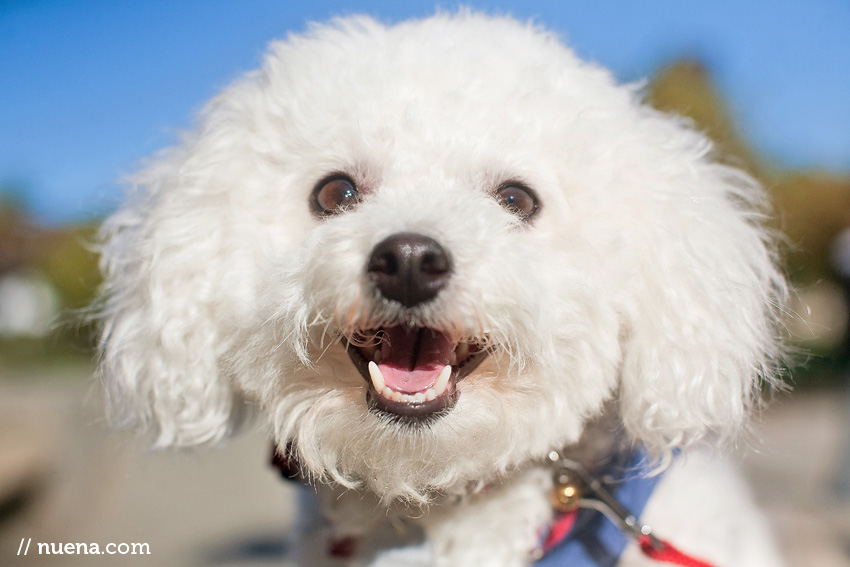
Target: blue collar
(594, 541)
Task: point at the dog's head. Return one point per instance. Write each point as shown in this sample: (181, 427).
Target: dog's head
(432, 251)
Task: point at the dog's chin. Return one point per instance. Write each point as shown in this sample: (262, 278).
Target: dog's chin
(413, 372)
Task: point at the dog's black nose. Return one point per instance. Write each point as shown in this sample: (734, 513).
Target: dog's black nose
(409, 268)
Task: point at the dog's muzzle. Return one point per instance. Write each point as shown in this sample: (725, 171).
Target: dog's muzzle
(412, 371)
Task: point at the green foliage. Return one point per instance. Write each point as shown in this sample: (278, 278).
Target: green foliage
(70, 264)
(64, 257)
(811, 207)
(685, 88)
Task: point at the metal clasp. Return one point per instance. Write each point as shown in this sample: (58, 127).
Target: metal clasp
(593, 494)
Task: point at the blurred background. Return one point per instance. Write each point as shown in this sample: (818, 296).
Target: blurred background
(88, 89)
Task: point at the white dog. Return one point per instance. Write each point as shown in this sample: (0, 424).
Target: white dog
(461, 273)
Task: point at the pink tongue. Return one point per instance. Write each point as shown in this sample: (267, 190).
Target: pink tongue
(411, 359)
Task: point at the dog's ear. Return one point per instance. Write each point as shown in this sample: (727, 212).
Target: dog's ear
(701, 314)
(161, 327)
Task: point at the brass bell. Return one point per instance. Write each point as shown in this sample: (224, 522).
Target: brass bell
(565, 495)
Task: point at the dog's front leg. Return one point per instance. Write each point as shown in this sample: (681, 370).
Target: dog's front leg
(332, 524)
(499, 526)
(349, 528)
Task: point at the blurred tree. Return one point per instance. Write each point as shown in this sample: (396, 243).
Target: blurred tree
(63, 257)
(70, 264)
(685, 88)
(18, 239)
(811, 208)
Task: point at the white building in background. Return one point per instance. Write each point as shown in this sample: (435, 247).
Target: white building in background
(29, 304)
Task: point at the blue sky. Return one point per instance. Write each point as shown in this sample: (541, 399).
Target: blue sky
(88, 88)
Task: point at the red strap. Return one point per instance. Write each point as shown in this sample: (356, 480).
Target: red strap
(559, 529)
(669, 554)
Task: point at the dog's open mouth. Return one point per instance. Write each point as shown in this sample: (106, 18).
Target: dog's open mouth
(413, 372)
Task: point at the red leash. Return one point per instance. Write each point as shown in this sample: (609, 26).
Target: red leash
(654, 548)
(668, 554)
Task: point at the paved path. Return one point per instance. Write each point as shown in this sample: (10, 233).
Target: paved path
(225, 507)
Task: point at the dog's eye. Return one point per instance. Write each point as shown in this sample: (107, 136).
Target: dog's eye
(517, 199)
(335, 194)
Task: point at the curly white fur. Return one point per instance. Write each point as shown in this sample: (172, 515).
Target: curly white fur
(646, 281)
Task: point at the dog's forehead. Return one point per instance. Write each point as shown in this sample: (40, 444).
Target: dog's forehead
(443, 85)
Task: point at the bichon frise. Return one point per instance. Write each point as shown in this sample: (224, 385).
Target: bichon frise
(480, 293)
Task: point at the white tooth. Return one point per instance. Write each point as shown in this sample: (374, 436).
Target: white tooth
(418, 397)
(377, 377)
(387, 393)
(430, 394)
(442, 380)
